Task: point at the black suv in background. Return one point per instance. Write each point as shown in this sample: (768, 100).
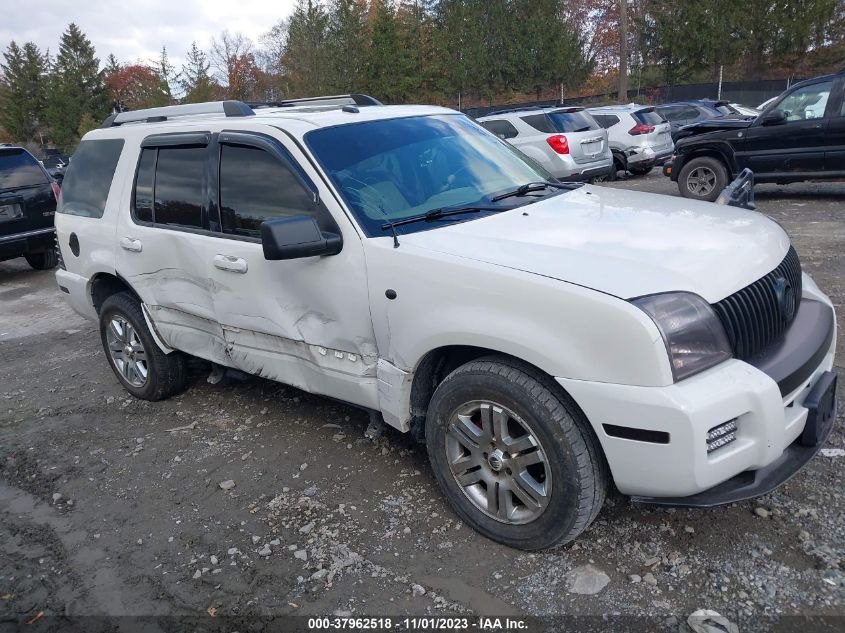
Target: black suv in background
(27, 205)
(800, 136)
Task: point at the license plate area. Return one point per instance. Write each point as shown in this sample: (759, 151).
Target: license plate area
(10, 211)
(591, 148)
(821, 410)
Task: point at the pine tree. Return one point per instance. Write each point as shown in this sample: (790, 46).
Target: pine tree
(76, 89)
(112, 65)
(165, 71)
(385, 63)
(23, 91)
(345, 46)
(304, 60)
(195, 79)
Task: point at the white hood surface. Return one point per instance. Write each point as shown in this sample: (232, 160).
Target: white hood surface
(621, 242)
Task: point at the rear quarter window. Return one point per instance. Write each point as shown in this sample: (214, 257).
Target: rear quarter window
(501, 128)
(89, 176)
(606, 120)
(18, 168)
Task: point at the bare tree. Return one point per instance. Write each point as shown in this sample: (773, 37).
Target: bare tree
(226, 51)
(270, 59)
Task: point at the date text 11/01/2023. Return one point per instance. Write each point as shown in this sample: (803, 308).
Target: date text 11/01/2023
(417, 624)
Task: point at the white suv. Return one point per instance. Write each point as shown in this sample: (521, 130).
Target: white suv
(639, 137)
(542, 339)
(566, 141)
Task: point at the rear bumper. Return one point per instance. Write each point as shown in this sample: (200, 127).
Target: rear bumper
(75, 289)
(770, 444)
(35, 241)
(570, 171)
(588, 174)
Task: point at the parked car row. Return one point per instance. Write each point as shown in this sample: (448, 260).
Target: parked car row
(575, 143)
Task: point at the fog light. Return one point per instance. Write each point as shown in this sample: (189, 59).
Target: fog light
(721, 435)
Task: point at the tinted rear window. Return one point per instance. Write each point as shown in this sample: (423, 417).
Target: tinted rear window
(19, 168)
(86, 186)
(648, 117)
(562, 121)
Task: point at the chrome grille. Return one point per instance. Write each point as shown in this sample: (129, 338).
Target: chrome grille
(758, 314)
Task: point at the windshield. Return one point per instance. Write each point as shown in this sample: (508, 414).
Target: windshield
(722, 108)
(392, 169)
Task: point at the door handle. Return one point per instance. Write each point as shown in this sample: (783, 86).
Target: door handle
(232, 264)
(131, 244)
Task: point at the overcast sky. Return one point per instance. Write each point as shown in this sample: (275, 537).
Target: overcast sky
(137, 29)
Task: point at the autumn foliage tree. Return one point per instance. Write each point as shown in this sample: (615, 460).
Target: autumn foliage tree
(135, 87)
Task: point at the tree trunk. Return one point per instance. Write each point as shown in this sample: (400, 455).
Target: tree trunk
(623, 51)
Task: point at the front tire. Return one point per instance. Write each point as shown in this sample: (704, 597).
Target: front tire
(514, 456)
(640, 171)
(139, 364)
(42, 261)
(703, 178)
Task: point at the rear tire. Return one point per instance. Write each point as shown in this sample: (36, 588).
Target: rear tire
(139, 364)
(42, 261)
(514, 456)
(703, 178)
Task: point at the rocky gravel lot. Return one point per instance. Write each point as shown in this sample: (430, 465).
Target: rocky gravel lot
(249, 498)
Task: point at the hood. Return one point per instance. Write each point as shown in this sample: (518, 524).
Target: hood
(714, 125)
(621, 242)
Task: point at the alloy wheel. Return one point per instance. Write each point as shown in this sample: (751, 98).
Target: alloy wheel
(498, 462)
(701, 181)
(127, 351)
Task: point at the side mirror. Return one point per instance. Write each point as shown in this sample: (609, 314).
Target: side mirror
(775, 117)
(297, 236)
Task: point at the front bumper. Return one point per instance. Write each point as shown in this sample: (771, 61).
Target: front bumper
(768, 448)
(754, 483)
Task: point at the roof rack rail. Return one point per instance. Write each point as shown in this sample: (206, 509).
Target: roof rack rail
(330, 100)
(153, 115)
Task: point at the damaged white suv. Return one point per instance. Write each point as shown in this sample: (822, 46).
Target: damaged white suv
(542, 339)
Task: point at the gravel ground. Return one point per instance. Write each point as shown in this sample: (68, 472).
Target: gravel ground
(114, 506)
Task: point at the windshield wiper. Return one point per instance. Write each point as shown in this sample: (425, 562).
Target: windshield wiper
(535, 186)
(436, 214)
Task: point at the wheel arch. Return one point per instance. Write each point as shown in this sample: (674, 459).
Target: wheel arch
(438, 363)
(710, 151)
(103, 285)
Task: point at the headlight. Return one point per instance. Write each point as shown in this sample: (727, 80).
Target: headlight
(694, 336)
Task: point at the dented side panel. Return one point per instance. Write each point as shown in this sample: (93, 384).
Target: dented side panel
(304, 322)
